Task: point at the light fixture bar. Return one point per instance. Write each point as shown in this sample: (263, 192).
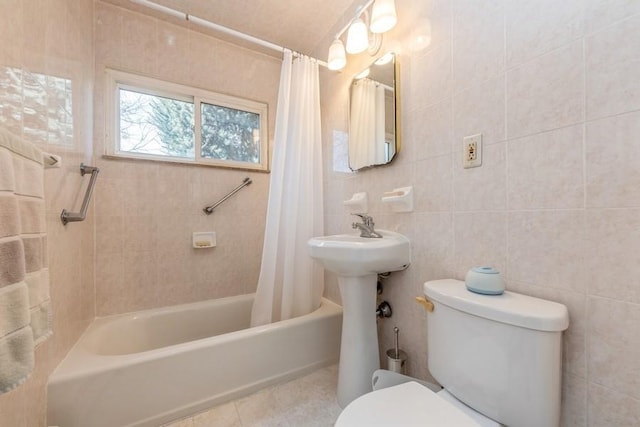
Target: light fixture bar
(359, 12)
(217, 27)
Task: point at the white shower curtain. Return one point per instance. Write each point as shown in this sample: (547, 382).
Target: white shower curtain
(367, 125)
(290, 282)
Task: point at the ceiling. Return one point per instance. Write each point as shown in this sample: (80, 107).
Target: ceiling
(297, 24)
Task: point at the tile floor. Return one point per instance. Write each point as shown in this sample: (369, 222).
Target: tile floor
(309, 401)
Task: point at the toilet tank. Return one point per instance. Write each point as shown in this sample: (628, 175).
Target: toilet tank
(499, 354)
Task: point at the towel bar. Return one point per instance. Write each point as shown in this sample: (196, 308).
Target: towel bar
(209, 209)
(66, 216)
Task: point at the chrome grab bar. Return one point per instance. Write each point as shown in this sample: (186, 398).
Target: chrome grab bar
(66, 216)
(209, 209)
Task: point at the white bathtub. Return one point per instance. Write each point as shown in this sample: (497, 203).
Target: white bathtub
(155, 366)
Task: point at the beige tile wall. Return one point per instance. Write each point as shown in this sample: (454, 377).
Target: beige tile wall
(554, 89)
(44, 42)
(147, 211)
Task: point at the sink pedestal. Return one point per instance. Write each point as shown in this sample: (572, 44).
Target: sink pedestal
(359, 349)
(357, 261)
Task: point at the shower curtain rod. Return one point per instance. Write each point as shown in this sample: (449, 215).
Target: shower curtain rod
(217, 27)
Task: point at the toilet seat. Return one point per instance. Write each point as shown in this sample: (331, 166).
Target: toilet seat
(408, 404)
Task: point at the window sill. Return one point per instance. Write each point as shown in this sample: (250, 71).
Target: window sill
(175, 160)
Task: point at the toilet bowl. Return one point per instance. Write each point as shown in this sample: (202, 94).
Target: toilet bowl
(410, 404)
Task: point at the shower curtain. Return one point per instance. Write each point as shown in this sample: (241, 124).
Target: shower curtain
(290, 282)
(366, 128)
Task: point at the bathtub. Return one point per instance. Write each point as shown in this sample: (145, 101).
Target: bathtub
(151, 367)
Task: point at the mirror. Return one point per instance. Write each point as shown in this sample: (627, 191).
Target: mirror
(373, 136)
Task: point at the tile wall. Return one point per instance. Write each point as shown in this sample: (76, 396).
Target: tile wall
(46, 86)
(146, 211)
(551, 85)
(554, 89)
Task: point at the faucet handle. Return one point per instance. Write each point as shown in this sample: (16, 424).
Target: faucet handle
(362, 216)
(366, 219)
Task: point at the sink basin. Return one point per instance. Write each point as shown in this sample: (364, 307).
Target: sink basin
(357, 261)
(350, 255)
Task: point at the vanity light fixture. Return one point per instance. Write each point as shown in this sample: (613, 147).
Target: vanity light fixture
(337, 56)
(361, 37)
(357, 37)
(383, 16)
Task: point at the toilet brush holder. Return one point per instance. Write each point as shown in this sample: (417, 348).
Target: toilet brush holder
(396, 358)
(396, 364)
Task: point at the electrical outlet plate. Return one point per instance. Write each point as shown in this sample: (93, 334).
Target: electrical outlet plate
(472, 151)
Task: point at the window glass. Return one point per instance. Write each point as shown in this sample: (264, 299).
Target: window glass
(230, 134)
(152, 124)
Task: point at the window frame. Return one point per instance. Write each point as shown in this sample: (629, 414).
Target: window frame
(116, 80)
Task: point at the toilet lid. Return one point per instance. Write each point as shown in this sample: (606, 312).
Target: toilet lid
(408, 404)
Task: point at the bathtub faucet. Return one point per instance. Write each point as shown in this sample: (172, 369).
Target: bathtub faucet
(366, 226)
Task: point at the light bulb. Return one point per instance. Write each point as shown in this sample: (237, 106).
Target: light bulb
(357, 37)
(383, 16)
(337, 58)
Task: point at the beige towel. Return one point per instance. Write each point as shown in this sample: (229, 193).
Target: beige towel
(39, 304)
(32, 253)
(14, 314)
(29, 176)
(12, 261)
(16, 359)
(31, 214)
(16, 336)
(25, 305)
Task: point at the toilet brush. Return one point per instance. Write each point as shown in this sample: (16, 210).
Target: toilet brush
(395, 331)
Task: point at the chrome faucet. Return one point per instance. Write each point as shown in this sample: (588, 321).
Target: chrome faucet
(366, 226)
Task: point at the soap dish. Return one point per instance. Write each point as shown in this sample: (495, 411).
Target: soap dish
(400, 199)
(204, 239)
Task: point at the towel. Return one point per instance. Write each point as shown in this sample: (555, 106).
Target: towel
(16, 334)
(25, 304)
(39, 304)
(12, 261)
(32, 217)
(32, 253)
(13, 312)
(16, 357)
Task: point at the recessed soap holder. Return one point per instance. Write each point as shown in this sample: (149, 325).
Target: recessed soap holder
(400, 199)
(204, 239)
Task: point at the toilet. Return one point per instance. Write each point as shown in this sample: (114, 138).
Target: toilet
(497, 357)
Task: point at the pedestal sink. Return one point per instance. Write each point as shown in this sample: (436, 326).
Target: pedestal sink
(357, 261)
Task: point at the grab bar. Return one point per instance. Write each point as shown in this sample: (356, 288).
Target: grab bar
(66, 216)
(209, 209)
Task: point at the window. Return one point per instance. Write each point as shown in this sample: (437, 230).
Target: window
(152, 119)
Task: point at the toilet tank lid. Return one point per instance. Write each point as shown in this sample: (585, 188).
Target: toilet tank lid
(510, 307)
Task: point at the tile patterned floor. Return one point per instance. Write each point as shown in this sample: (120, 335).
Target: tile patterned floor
(309, 401)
